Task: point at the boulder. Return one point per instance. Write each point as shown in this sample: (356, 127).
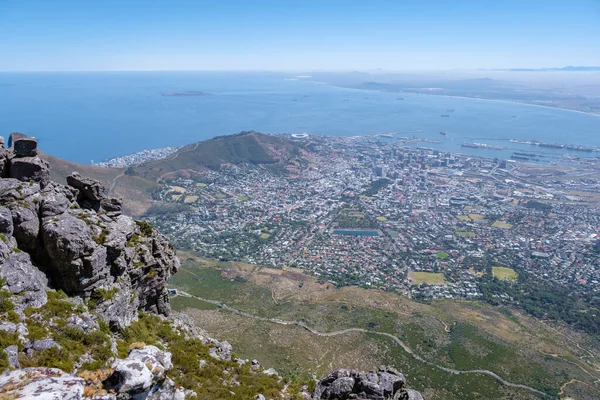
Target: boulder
(2, 143)
(41, 384)
(28, 169)
(408, 394)
(25, 281)
(120, 310)
(9, 327)
(384, 384)
(22, 145)
(44, 344)
(112, 206)
(54, 203)
(89, 189)
(26, 225)
(76, 262)
(12, 355)
(138, 374)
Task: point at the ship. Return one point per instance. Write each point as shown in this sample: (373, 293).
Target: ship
(443, 133)
(445, 115)
(451, 110)
(472, 145)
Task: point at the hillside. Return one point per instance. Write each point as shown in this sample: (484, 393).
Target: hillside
(302, 325)
(246, 147)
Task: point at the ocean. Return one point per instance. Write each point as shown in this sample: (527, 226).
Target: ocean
(94, 116)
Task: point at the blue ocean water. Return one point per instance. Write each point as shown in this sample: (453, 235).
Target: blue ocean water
(94, 116)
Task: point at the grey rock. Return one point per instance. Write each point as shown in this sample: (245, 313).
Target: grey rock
(112, 206)
(342, 384)
(13, 189)
(9, 327)
(29, 169)
(25, 281)
(44, 344)
(41, 384)
(408, 394)
(140, 371)
(84, 322)
(260, 397)
(222, 351)
(54, 203)
(2, 142)
(22, 145)
(74, 259)
(12, 353)
(6, 221)
(26, 225)
(121, 310)
(3, 163)
(271, 371)
(89, 189)
(340, 388)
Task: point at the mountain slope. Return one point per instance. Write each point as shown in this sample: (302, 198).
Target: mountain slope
(245, 147)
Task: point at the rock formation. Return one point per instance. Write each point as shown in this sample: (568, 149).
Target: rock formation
(76, 235)
(384, 384)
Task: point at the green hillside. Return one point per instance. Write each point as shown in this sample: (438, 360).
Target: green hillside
(245, 147)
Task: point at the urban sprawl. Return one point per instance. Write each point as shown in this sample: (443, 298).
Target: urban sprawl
(384, 214)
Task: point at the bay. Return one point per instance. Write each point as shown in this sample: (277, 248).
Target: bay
(94, 116)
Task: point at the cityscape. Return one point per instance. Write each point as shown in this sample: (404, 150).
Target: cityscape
(377, 213)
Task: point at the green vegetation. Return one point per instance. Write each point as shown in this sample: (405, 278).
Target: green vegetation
(145, 227)
(544, 299)
(442, 255)
(505, 273)
(51, 321)
(472, 336)
(536, 205)
(211, 378)
(100, 295)
(430, 278)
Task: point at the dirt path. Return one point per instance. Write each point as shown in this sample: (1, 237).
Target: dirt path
(388, 335)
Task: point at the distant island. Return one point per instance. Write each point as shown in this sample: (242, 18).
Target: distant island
(186, 93)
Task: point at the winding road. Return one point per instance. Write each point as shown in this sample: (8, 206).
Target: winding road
(388, 335)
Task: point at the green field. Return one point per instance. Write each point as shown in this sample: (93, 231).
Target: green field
(502, 225)
(430, 278)
(442, 255)
(505, 273)
(453, 334)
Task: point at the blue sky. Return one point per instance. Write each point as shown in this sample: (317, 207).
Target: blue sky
(98, 35)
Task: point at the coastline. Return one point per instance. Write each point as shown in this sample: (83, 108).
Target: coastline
(468, 98)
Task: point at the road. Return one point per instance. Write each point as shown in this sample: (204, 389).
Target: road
(388, 335)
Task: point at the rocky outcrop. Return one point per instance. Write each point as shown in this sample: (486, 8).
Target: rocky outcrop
(384, 384)
(76, 234)
(142, 375)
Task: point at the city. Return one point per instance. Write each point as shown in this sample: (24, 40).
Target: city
(377, 213)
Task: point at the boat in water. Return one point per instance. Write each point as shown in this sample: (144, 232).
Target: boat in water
(443, 133)
(445, 115)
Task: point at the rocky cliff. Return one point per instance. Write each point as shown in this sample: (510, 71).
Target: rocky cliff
(83, 306)
(76, 235)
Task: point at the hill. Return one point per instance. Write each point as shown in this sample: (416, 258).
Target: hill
(246, 147)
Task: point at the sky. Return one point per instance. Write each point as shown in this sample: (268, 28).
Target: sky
(290, 35)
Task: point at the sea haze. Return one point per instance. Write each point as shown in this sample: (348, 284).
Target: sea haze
(94, 116)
